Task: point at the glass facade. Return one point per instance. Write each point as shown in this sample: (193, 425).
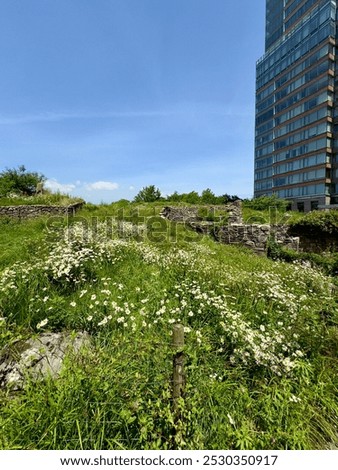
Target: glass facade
(296, 112)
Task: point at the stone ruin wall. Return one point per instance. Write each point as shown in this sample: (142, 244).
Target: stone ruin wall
(236, 232)
(255, 236)
(31, 211)
(326, 242)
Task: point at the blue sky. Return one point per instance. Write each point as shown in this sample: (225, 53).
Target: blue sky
(105, 97)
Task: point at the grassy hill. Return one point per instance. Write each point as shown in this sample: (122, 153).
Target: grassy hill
(261, 338)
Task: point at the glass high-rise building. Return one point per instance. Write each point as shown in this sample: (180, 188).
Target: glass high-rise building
(296, 132)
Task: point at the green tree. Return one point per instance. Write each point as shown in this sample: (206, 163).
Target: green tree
(148, 194)
(226, 198)
(191, 198)
(19, 181)
(175, 197)
(208, 197)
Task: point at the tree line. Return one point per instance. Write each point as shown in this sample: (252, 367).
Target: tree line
(21, 182)
(153, 194)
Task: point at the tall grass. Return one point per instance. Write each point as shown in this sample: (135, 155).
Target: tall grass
(46, 198)
(261, 339)
(20, 240)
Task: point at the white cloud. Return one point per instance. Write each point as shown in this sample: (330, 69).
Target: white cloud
(178, 109)
(102, 185)
(54, 185)
(62, 116)
(131, 188)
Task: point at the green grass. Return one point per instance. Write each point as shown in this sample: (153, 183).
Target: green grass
(47, 198)
(261, 338)
(19, 240)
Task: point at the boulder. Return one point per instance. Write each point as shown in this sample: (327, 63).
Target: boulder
(38, 357)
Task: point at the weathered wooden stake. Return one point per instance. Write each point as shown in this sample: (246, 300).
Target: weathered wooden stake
(178, 363)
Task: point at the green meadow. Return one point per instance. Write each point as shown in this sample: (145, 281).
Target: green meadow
(261, 337)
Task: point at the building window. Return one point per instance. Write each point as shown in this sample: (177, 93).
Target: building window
(300, 206)
(314, 205)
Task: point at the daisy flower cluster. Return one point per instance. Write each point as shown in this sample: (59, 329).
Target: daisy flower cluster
(252, 318)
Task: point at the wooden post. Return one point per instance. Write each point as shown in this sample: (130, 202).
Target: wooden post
(178, 363)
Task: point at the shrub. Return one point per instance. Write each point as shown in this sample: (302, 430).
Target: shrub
(327, 262)
(266, 202)
(317, 222)
(19, 181)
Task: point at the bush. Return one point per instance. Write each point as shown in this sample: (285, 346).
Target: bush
(327, 262)
(19, 181)
(317, 222)
(263, 203)
(191, 198)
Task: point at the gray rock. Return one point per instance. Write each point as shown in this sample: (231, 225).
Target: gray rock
(38, 357)
(180, 214)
